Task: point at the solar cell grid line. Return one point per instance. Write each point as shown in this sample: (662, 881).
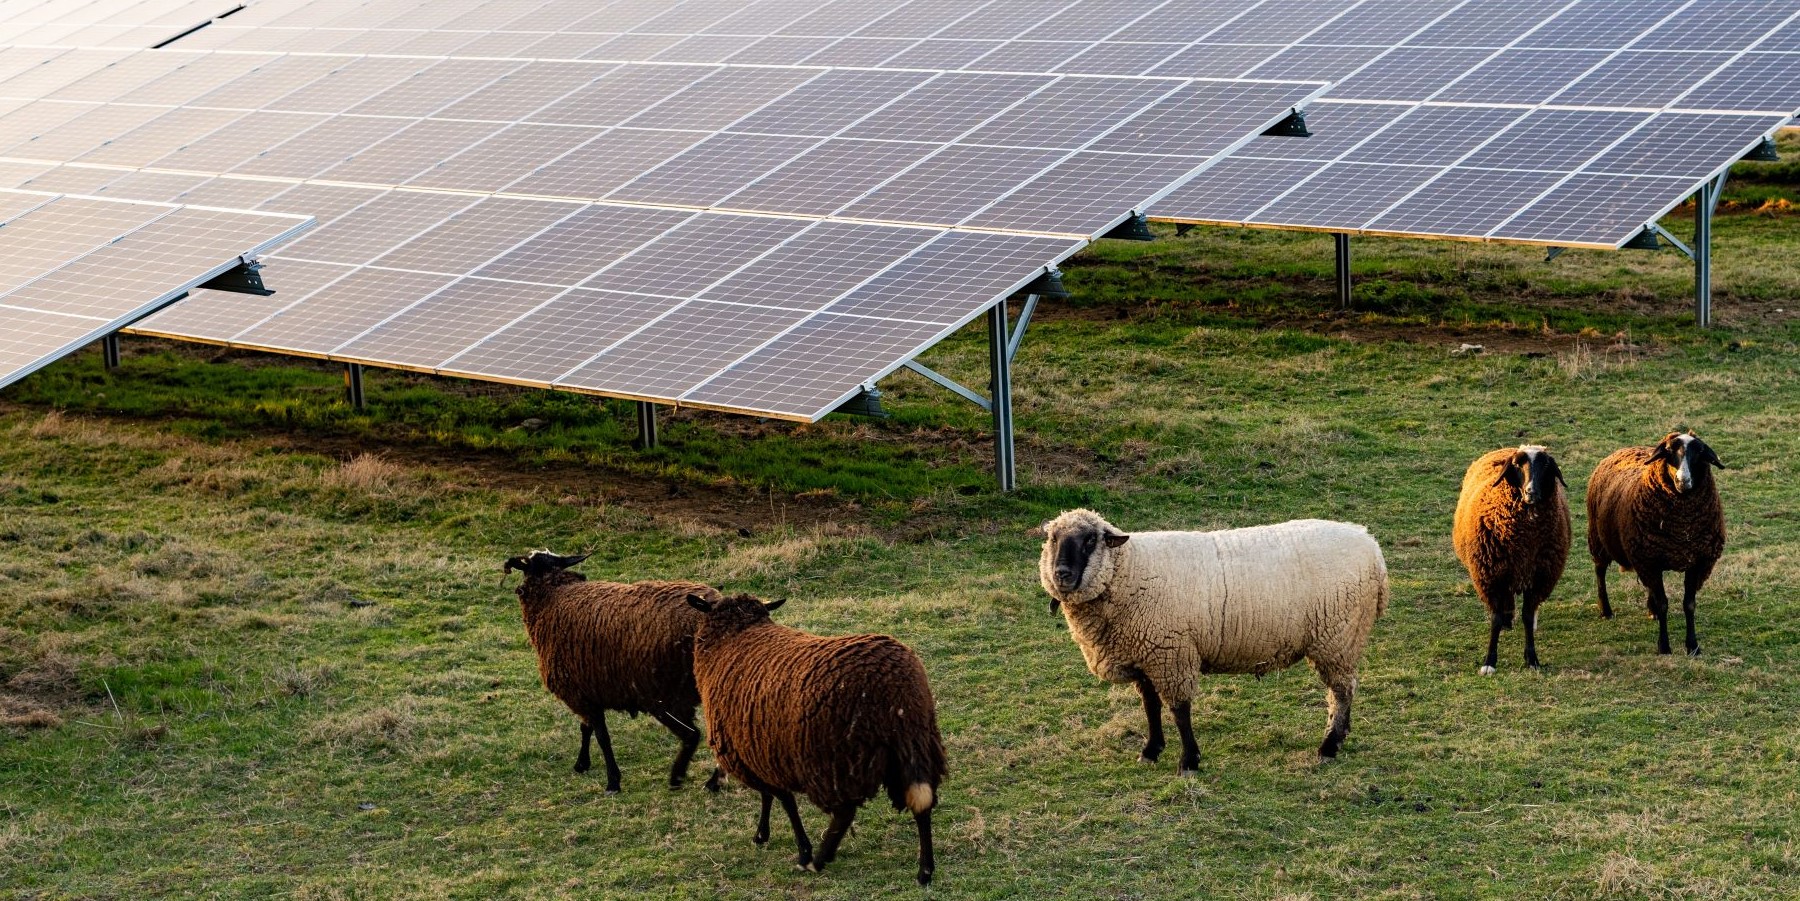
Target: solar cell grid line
(202, 140)
(441, 325)
(825, 262)
(828, 177)
(313, 325)
(1462, 203)
(857, 51)
(123, 76)
(478, 235)
(1692, 144)
(830, 103)
(1113, 58)
(1522, 76)
(843, 17)
(556, 337)
(73, 180)
(498, 160)
(722, 98)
(1278, 22)
(580, 246)
(1719, 26)
(809, 365)
(385, 222)
(309, 153)
(399, 156)
(1488, 25)
(605, 162)
(1768, 82)
(1435, 135)
(680, 349)
(706, 48)
(957, 272)
(513, 97)
(349, 84)
(92, 128)
(59, 233)
(712, 170)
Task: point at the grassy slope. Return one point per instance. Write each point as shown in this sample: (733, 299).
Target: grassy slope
(238, 719)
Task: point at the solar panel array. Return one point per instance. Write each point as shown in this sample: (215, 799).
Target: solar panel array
(754, 238)
(105, 23)
(1533, 121)
(1719, 74)
(74, 269)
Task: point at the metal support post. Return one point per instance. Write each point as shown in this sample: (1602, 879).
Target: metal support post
(1342, 243)
(353, 384)
(109, 350)
(646, 423)
(1705, 204)
(1000, 390)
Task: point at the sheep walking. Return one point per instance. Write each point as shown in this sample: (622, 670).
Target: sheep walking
(1656, 509)
(608, 646)
(1158, 609)
(834, 719)
(1512, 534)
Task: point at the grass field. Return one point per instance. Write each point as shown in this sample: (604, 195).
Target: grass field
(253, 642)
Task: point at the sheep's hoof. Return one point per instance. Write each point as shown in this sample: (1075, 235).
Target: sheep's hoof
(677, 781)
(1487, 670)
(1694, 651)
(924, 878)
(803, 862)
(1187, 772)
(1149, 754)
(612, 788)
(582, 766)
(712, 783)
(760, 839)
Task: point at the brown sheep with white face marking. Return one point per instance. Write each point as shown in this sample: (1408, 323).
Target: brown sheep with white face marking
(609, 646)
(1655, 509)
(1512, 534)
(835, 719)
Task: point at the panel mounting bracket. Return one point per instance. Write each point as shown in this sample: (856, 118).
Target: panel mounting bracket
(1137, 228)
(1294, 126)
(1553, 252)
(867, 402)
(1764, 152)
(1049, 285)
(1645, 239)
(244, 278)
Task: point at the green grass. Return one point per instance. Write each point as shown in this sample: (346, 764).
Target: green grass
(239, 658)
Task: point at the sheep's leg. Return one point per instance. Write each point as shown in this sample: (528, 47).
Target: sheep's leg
(834, 833)
(927, 860)
(1600, 584)
(1498, 598)
(689, 734)
(1658, 601)
(582, 763)
(1190, 749)
(1532, 600)
(1690, 587)
(804, 858)
(1153, 746)
(762, 822)
(1341, 690)
(612, 766)
(712, 782)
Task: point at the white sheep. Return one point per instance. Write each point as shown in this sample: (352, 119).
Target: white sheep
(1158, 609)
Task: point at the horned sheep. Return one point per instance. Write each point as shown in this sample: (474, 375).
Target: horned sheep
(834, 719)
(1655, 509)
(1512, 534)
(609, 646)
(1159, 609)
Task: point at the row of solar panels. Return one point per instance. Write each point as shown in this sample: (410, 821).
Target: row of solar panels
(508, 193)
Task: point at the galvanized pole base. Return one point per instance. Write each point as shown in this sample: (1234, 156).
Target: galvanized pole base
(1341, 242)
(646, 424)
(353, 385)
(1000, 390)
(1704, 205)
(109, 350)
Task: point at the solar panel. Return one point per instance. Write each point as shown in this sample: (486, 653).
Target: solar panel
(572, 217)
(75, 269)
(1668, 89)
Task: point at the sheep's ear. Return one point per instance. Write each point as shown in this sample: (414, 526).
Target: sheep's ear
(1713, 458)
(699, 603)
(1501, 468)
(1055, 604)
(1116, 539)
(772, 606)
(566, 562)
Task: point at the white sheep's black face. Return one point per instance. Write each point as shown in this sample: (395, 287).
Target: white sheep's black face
(1078, 552)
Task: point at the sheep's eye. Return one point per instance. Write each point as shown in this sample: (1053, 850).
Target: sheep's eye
(1090, 542)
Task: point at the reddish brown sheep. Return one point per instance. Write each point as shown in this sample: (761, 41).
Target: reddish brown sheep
(834, 719)
(1655, 509)
(1512, 534)
(607, 646)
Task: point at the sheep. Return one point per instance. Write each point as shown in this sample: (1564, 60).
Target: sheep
(607, 646)
(835, 719)
(1512, 533)
(1654, 509)
(1158, 609)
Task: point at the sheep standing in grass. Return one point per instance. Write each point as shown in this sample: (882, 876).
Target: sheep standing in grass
(607, 646)
(1512, 534)
(835, 719)
(1655, 509)
(1158, 609)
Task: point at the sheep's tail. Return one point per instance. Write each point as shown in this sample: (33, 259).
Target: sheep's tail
(915, 767)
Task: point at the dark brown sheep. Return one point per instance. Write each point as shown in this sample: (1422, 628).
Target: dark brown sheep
(1512, 534)
(1655, 509)
(608, 646)
(834, 719)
